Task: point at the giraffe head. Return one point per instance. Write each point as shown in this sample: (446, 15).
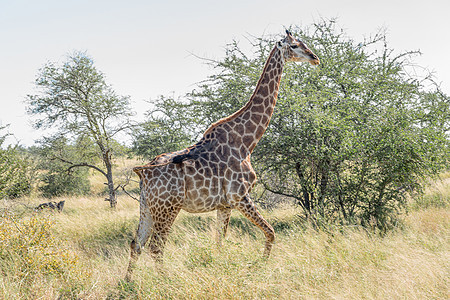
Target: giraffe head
(295, 50)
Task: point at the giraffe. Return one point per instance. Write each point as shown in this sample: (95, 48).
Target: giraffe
(215, 173)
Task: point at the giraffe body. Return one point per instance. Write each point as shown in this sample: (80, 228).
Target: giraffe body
(215, 173)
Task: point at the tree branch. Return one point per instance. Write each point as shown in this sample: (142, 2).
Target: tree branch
(123, 189)
(74, 165)
(280, 193)
(123, 185)
(87, 165)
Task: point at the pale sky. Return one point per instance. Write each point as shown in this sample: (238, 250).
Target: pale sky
(145, 47)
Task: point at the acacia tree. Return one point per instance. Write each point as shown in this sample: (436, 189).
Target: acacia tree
(75, 98)
(352, 138)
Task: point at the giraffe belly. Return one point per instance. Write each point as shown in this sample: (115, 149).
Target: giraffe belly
(202, 186)
(196, 202)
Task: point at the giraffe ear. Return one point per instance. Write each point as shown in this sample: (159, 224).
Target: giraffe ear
(289, 36)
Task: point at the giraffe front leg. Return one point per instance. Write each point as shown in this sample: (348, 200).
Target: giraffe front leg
(248, 209)
(223, 218)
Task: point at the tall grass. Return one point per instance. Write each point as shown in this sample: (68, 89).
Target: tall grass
(89, 244)
(437, 194)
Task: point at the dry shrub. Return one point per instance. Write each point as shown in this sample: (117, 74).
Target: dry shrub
(33, 257)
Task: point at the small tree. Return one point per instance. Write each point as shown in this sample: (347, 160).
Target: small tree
(57, 179)
(75, 98)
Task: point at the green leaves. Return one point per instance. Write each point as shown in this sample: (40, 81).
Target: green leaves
(75, 97)
(350, 139)
(55, 155)
(171, 125)
(15, 175)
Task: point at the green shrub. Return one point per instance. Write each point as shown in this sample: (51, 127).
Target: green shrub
(56, 177)
(58, 182)
(14, 172)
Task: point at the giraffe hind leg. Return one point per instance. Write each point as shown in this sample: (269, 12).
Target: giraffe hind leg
(163, 221)
(223, 218)
(142, 235)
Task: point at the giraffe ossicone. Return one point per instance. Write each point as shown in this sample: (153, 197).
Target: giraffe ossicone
(215, 173)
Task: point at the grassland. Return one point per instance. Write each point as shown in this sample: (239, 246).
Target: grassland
(82, 253)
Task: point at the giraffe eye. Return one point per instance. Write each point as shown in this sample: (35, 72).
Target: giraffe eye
(294, 46)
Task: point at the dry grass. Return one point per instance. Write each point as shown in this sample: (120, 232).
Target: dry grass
(411, 262)
(437, 194)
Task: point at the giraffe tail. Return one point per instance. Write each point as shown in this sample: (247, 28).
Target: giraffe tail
(138, 171)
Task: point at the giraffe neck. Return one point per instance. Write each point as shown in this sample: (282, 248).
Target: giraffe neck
(259, 109)
(243, 129)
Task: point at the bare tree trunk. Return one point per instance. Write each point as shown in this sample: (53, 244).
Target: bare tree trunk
(324, 171)
(108, 174)
(112, 192)
(109, 177)
(307, 197)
